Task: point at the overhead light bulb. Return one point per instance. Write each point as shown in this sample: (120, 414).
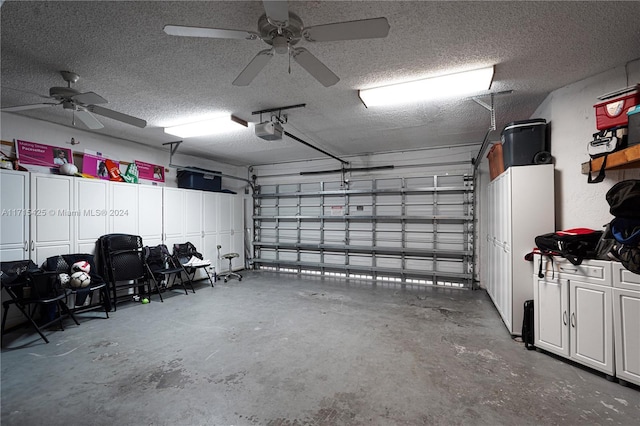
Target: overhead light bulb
(446, 86)
(217, 125)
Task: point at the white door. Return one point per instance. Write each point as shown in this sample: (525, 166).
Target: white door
(225, 224)
(92, 203)
(173, 216)
(150, 214)
(591, 325)
(192, 217)
(53, 216)
(14, 223)
(123, 210)
(237, 231)
(210, 212)
(626, 314)
(551, 314)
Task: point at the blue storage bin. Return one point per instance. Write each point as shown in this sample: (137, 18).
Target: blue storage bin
(205, 180)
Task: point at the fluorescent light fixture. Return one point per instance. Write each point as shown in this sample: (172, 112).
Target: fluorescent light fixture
(212, 126)
(445, 86)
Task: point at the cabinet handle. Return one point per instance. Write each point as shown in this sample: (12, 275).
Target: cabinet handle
(564, 317)
(568, 269)
(573, 319)
(31, 245)
(26, 245)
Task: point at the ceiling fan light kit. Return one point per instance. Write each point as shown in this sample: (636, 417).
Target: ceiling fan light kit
(282, 30)
(446, 86)
(212, 126)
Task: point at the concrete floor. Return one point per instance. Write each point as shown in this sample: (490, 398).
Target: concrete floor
(278, 350)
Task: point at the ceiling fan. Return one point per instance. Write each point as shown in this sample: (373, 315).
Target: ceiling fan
(83, 105)
(282, 30)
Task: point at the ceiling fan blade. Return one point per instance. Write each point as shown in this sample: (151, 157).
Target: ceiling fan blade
(89, 98)
(128, 119)
(176, 30)
(88, 119)
(26, 91)
(277, 11)
(352, 30)
(314, 67)
(26, 107)
(253, 69)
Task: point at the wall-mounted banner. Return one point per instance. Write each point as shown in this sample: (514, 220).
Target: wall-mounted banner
(39, 154)
(150, 171)
(95, 165)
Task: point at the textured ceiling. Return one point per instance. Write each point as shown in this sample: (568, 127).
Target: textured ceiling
(121, 52)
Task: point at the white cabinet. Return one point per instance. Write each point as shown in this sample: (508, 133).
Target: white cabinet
(92, 207)
(149, 214)
(193, 216)
(173, 206)
(230, 230)
(521, 207)
(210, 213)
(14, 223)
(53, 216)
(573, 311)
(626, 322)
(123, 209)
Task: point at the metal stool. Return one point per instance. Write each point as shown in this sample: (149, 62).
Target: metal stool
(229, 273)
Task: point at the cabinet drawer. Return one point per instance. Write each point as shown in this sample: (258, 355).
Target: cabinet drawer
(623, 278)
(592, 271)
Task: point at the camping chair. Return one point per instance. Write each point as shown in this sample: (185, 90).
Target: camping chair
(229, 273)
(122, 261)
(82, 298)
(191, 260)
(29, 287)
(161, 266)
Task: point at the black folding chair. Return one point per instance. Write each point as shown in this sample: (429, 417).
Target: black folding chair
(122, 264)
(83, 298)
(161, 266)
(191, 260)
(29, 288)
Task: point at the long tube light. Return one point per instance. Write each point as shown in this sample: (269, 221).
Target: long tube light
(446, 86)
(217, 125)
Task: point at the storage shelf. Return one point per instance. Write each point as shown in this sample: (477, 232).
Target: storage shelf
(627, 158)
(371, 269)
(453, 254)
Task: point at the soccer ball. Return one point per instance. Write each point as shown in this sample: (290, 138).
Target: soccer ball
(64, 280)
(81, 266)
(80, 279)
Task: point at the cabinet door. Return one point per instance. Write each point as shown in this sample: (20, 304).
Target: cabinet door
(14, 226)
(551, 314)
(124, 208)
(150, 214)
(237, 231)
(591, 325)
(210, 212)
(52, 224)
(192, 217)
(92, 204)
(173, 216)
(626, 318)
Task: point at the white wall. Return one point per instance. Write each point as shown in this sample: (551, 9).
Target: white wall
(14, 126)
(572, 118)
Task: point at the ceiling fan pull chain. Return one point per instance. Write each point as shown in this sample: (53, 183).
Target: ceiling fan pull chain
(289, 47)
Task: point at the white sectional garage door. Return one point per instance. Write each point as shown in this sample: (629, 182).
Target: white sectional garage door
(416, 230)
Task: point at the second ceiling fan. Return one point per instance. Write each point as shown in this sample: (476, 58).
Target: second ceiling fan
(282, 30)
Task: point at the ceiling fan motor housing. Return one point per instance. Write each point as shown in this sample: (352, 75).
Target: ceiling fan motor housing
(281, 37)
